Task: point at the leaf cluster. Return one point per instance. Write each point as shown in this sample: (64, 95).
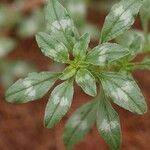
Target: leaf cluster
(106, 67)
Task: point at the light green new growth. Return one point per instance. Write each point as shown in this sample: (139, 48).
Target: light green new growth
(107, 66)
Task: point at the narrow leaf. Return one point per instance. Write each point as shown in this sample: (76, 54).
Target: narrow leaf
(79, 125)
(35, 86)
(120, 19)
(124, 91)
(60, 24)
(108, 123)
(106, 53)
(52, 48)
(59, 103)
(86, 81)
(81, 46)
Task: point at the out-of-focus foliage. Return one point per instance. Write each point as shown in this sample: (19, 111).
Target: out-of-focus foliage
(11, 19)
(29, 25)
(12, 70)
(6, 46)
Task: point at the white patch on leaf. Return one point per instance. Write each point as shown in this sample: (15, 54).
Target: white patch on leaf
(120, 94)
(64, 102)
(56, 99)
(53, 53)
(102, 59)
(61, 25)
(119, 10)
(125, 15)
(87, 77)
(83, 125)
(30, 91)
(75, 121)
(108, 126)
(27, 83)
(127, 86)
(59, 47)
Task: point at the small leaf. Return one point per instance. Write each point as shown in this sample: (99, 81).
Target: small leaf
(81, 46)
(52, 48)
(86, 81)
(35, 86)
(124, 91)
(60, 24)
(68, 73)
(120, 19)
(59, 103)
(79, 125)
(106, 53)
(108, 123)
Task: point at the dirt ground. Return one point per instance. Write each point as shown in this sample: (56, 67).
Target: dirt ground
(21, 126)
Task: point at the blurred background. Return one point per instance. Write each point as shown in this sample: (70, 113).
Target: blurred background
(21, 126)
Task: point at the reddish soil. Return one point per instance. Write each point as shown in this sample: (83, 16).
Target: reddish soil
(21, 126)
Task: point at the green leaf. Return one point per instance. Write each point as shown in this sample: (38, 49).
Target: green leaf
(124, 91)
(86, 81)
(120, 19)
(52, 48)
(79, 124)
(134, 41)
(59, 23)
(6, 46)
(68, 73)
(59, 103)
(108, 123)
(106, 53)
(81, 46)
(35, 86)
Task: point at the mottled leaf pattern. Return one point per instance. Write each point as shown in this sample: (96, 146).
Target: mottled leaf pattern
(79, 125)
(59, 23)
(124, 91)
(120, 19)
(35, 86)
(81, 46)
(59, 103)
(108, 123)
(106, 53)
(52, 48)
(86, 81)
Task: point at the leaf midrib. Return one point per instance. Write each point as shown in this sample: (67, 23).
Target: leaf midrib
(116, 21)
